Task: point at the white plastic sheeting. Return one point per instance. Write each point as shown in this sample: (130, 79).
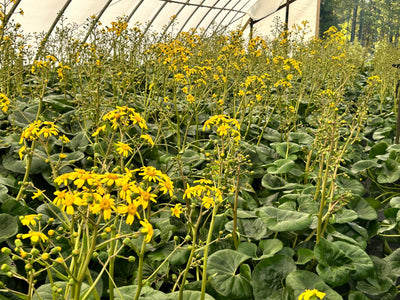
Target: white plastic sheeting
(156, 14)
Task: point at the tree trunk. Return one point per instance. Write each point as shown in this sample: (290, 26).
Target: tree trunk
(354, 23)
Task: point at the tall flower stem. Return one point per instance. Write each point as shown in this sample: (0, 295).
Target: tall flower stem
(140, 270)
(209, 236)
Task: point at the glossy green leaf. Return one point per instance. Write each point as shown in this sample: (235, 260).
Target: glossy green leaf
(284, 220)
(44, 292)
(187, 295)
(275, 183)
(287, 149)
(146, 293)
(281, 166)
(378, 149)
(304, 255)
(269, 275)
(298, 281)
(9, 226)
(222, 266)
(363, 209)
(363, 165)
(334, 266)
(356, 295)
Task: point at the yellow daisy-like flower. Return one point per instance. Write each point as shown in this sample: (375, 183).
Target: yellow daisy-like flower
(29, 220)
(130, 210)
(70, 200)
(176, 210)
(207, 202)
(150, 173)
(21, 152)
(111, 178)
(147, 229)
(167, 186)
(37, 194)
(223, 129)
(106, 205)
(123, 149)
(35, 236)
(98, 130)
(147, 138)
(145, 196)
(309, 295)
(4, 102)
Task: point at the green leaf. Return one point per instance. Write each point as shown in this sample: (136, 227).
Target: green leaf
(287, 149)
(251, 228)
(44, 292)
(129, 291)
(378, 149)
(356, 295)
(275, 183)
(281, 166)
(269, 274)
(345, 216)
(334, 266)
(248, 248)
(298, 281)
(395, 202)
(79, 142)
(362, 263)
(9, 226)
(284, 220)
(187, 295)
(270, 247)
(363, 209)
(363, 165)
(301, 138)
(222, 266)
(394, 261)
(381, 133)
(304, 255)
(352, 185)
(16, 165)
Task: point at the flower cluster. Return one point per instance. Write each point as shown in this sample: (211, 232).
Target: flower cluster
(124, 116)
(225, 126)
(4, 102)
(111, 193)
(39, 129)
(208, 194)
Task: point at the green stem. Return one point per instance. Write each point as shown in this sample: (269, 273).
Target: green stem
(209, 236)
(140, 270)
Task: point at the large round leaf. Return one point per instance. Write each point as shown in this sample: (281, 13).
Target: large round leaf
(44, 292)
(298, 281)
(363, 165)
(284, 220)
(363, 209)
(146, 293)
(269, 275)
(187, 295)
(9, 226)
(222, 266)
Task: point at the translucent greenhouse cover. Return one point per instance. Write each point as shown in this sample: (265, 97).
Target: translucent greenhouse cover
(155, 15)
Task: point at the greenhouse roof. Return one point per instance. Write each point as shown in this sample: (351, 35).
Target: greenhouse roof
(156, 15)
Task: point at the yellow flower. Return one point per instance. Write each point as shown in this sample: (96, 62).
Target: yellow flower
(4, 102)
(147, 138)
(145, 197)
(37, 194)
(130, 210)
(167, 186)
(70, 200)
(150, 173)
(110, 178)
(29, 220)
(106, 204)
(223, 129)
(308, 295)
(21, 152)
(35, 236)
(98, 130)
(207, 202)
(176, 210)
(190, 99)
(123, 149)
(147, 229)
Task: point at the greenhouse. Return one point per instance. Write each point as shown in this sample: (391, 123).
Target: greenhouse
(199, 149)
